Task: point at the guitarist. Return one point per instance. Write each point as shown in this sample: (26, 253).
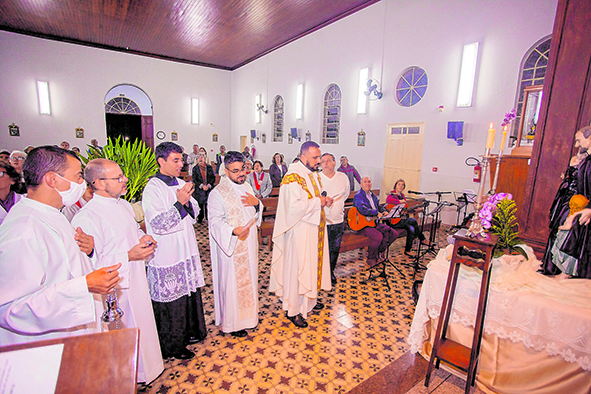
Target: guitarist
(411, 226)
(381, 235)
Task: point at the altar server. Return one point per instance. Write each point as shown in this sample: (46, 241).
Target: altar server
(300, 265)
(47, 286)
(175, 277)
(118, 239)
(233, 215)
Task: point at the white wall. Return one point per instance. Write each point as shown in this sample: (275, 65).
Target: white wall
(429, 34)
(79, 78)
(388, 37)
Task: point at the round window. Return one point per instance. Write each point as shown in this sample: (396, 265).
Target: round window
(411, 86)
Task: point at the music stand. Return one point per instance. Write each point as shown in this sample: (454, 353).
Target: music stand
(384, 263)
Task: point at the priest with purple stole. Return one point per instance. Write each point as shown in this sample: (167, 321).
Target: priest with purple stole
(175, 276)
(233, 216)
(118, 239)
(300, 265)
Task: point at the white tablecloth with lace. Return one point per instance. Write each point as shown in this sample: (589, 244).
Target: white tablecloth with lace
(543, 314)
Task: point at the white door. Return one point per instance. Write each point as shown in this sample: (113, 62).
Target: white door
(404, 154)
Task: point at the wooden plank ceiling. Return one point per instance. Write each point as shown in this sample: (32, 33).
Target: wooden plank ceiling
(223, 34)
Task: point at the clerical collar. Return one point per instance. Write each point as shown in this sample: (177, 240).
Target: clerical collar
(169, 180)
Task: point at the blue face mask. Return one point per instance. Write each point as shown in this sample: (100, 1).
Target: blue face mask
(73, 194)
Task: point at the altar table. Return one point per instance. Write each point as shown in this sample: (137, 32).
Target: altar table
(537, 330)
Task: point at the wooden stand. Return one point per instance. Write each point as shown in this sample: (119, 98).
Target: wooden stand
(472, 252)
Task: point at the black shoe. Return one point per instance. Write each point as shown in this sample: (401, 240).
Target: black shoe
(298, 320)
(239, 334)
(333, 281)
(319, 306)
(409, 254)
(184, 354)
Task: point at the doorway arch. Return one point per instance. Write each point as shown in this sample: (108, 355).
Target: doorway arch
(128, 113)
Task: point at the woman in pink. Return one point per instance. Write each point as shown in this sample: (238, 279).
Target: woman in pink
(411, 226)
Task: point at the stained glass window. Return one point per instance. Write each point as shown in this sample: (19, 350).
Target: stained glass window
(533, 71)
(278, 119)
(332, 115)
(411, 86)
(122, 105)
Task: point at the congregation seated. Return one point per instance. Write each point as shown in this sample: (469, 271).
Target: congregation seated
(17, 158)
(381, 235)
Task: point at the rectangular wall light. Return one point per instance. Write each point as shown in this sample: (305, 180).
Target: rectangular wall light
(195, 111)
(43, 94)
(300, 101)
(361, 97)
(467, 75)
(257, 105)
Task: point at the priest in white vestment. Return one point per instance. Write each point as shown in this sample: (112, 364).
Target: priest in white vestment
(233, 216)
(118, 239)
(47, 286)
(300, 266)
(175, 276)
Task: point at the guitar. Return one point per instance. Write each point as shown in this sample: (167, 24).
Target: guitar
(408, 209)
(358, 221)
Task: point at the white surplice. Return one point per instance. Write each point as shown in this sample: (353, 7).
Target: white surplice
(294, 269)
(222, 246)
(175, 270)
(3, 213)
(111, 222)
(43, 290)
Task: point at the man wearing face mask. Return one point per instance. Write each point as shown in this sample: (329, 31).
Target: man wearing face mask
(300, 268)
(119, 239)
(47, 286)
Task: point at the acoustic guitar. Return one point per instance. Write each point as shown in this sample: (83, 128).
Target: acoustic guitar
(358, 221)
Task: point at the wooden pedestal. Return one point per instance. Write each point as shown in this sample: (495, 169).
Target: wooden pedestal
(472, 252)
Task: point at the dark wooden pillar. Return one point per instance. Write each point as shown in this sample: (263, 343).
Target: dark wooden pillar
(566, 107)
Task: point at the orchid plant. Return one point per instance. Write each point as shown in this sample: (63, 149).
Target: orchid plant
(498, 215)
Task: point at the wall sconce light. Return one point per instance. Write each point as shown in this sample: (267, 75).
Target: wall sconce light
(257, 105)
(300, 101)
(467, 75)
(43, 94)
(195, 111)
(361, 97)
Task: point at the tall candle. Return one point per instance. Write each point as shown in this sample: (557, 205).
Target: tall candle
(503, 139)
(490, 141)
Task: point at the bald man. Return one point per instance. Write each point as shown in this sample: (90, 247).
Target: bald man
(118, 239)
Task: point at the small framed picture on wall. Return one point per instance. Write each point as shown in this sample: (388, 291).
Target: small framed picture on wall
(174, 136)
(361, 138)
(264, 138)
(79, 132)
(13, 130)
(214, 137)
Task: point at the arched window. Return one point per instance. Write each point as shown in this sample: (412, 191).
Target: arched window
(122, 105)
(278, 119)
(533, 71)
(332, 115)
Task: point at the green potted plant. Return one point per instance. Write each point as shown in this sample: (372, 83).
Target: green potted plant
(136, 160)
(498, 215)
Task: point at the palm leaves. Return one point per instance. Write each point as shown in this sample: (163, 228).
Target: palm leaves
(136, 160)
(504, 224)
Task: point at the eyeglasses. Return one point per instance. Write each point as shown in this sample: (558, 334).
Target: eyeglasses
(17, 158)
(236, 171)
(120, 179)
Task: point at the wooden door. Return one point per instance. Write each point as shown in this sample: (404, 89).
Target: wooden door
(404, 154)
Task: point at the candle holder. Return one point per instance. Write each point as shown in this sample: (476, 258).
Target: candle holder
(494, 186)
(476, 228)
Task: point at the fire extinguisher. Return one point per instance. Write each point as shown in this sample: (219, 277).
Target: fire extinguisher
(477, 173)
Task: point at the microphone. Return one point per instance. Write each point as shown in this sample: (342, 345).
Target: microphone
(324, 194)
(413, 192)
(440, 193)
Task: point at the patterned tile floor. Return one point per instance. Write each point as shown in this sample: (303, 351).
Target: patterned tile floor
(362, 329)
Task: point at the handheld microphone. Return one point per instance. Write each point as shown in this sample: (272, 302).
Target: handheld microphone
(413, 192)
(324, 194)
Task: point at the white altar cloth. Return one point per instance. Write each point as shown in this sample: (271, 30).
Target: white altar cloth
(540, 313)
